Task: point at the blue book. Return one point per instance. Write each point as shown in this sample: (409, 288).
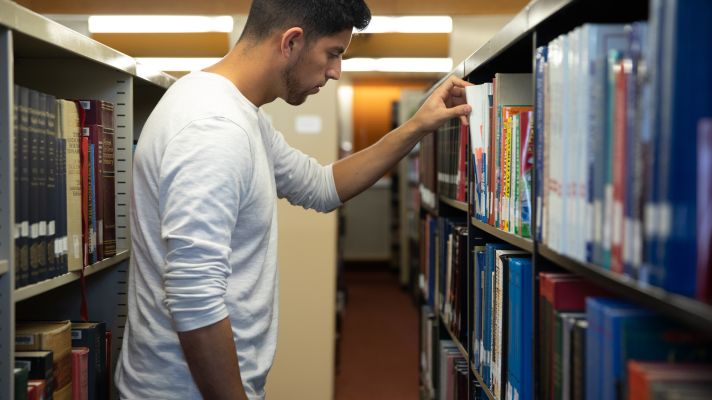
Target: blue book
(649, 271)
(521, 329)
(613, 365)
(596, 344)
(686, 97)
(540, 62)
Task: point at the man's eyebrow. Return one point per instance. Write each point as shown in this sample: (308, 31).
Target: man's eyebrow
(338, 49)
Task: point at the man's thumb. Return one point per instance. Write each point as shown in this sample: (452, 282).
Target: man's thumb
(463, 110)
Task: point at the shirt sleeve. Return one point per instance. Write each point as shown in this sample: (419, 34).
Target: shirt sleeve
(301, 179)
(205, 172)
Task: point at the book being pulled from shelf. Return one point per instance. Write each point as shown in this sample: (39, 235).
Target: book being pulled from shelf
(53, 178)
(502, 137)
(622, 174)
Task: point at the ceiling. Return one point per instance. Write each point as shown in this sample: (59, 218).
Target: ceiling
(175, 7)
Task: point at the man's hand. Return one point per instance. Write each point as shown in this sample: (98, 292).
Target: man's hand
(446, 102)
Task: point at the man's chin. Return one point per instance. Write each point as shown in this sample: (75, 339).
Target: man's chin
(297, 100)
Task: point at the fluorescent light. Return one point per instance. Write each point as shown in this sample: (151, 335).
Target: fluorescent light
(424, 24)
(177, 64)
(397, 65)
(159, 23)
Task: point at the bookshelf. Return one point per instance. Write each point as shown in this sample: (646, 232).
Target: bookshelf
(454, 338)
(36, 289)
(684, 309)
(459, 205)
(522, 243)
(513, 50)
(40, 54)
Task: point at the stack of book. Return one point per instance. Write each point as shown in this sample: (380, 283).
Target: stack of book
(621, 115)
(64, 188)
(502, 137)
(452, 160)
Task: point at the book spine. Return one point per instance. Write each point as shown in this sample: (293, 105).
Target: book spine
(24, 188)
(51, 191)
(619, 170)
(17, 157)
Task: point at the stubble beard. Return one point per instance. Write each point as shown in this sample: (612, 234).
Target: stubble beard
(295, 95)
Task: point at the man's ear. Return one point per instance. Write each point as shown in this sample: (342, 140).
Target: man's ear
(292, 41)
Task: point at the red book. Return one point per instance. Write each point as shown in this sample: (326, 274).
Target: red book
(80, 373)
(619, 171)
(704, 210)
(100, 119)
(36, 389)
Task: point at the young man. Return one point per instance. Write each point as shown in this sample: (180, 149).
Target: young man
(208, 168)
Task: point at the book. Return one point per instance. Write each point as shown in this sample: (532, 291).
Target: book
(20, 377)
(69, 122)
(641, 375)
(685, 98)
(501, 317)
(49, 336)
(520, 341)
(49, 109)
(578, 362)
(80, 367)
(39, 364)
(92, 335)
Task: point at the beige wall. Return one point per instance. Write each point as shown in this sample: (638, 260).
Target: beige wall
(304, 364)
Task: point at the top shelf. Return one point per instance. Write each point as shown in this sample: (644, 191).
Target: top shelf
(157, 78)
(38, 288)
(39, 37)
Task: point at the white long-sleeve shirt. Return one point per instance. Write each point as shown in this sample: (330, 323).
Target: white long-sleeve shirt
(207, 171)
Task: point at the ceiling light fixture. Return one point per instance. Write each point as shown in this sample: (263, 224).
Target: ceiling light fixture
(159, 23)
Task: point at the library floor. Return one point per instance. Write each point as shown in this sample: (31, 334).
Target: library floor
(379, 343)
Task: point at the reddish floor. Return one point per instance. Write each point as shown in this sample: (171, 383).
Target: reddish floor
(379, 343)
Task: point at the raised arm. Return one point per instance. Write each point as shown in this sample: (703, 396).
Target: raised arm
(355, 173)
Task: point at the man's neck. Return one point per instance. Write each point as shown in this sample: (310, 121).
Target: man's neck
(249, 68)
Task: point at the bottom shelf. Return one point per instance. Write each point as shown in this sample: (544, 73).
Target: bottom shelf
(481, 381)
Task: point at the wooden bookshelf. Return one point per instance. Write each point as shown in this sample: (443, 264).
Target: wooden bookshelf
(684, 309)
(518, 241)
(460, 205)
(481, 381)
(38, 288)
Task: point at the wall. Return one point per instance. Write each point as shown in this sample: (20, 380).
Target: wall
(304, 364)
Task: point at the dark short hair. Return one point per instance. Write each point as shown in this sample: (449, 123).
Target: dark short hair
(318, 18)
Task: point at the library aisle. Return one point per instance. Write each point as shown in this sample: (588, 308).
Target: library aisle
(379, 343)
